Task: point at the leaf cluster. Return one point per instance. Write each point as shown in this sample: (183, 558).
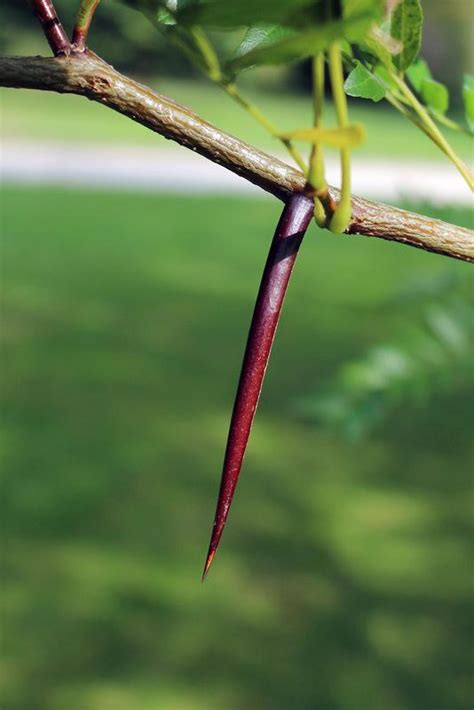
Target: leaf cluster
(277, 31)
(392, 50)
(380, 41)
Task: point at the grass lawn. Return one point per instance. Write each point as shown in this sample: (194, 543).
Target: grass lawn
(343, 580)
(33, 114)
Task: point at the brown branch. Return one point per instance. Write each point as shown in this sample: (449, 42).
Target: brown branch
(87, 75)
(52, 27)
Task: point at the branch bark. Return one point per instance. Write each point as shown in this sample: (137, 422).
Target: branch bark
(87, 75)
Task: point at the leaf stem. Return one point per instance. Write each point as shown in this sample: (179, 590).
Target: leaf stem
(232, 90)
(208, 54)
(342, 214)
(449, 123)
(316, 160)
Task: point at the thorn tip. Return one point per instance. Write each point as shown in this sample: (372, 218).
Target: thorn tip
(210, 557)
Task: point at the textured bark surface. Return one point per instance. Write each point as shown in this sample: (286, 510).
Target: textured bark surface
(87, 75)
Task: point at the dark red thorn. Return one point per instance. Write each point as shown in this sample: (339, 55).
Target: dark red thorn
(52, 27)
(294, 221)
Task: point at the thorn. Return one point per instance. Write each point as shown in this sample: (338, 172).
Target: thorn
(293, 223)
(210, 557)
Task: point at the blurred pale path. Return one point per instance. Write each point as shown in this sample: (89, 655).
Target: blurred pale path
(137, 167)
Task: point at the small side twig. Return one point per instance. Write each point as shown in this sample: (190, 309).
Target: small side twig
(52, 27)
(84, 17)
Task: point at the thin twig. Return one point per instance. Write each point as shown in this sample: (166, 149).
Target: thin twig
(87, 75)
(82, 25)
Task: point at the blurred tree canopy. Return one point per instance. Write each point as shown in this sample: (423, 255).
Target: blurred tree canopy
(120, 35)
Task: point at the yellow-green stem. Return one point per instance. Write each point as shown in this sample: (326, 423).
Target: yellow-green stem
(337, 83)
(208, 53)
(254, 111)
(316, 163)
(342, 214)
(433, 131)
(449, 123)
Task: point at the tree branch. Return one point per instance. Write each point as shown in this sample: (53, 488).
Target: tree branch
(87, 75)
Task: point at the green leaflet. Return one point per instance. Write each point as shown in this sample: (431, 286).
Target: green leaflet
(468, 96)
(435, 95)
(261, 36)
(417, 73)
(363, 84)
(407, 26)
(346, 137)
(297, 45)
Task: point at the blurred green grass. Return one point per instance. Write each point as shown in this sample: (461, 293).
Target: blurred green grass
(35, 114)
(343, 581)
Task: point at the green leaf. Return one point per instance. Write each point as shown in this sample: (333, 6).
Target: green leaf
(297, 45)
(435, 95)
(468, 96)
(261, 36)
(164, 17)
(418, 73)
(363, 84)
(346, 137)
(407, 26)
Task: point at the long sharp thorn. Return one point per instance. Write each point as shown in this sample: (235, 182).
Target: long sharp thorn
(294, 221)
